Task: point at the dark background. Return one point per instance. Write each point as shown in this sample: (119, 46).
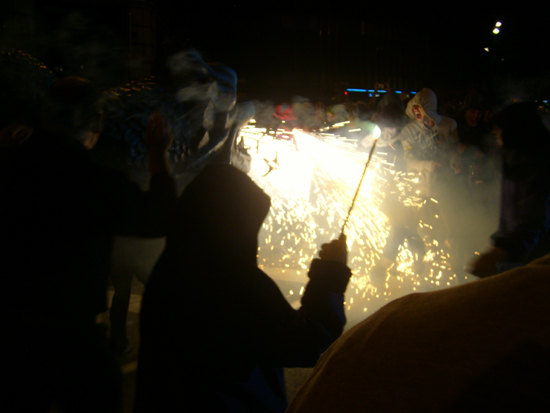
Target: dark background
(282, 49)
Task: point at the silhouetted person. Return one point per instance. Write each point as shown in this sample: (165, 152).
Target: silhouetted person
(524, 226)
(472, 128)
(216, 331)
(59, 213)
(476, 167)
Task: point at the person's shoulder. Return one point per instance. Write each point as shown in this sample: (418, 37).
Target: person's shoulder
(410, 124)
(411, 128)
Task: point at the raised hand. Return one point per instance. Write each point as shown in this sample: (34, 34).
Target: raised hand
(336, 250)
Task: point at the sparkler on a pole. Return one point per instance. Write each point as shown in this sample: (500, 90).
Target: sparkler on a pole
(306, 192)
(376, 135)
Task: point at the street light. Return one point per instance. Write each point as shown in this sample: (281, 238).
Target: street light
(498, 24)
(496, 31)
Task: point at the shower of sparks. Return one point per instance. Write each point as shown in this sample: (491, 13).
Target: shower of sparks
(311, 188)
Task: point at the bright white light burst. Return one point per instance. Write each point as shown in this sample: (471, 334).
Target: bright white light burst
(311, 179)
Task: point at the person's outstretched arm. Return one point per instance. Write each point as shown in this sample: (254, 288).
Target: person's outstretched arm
(296, 338)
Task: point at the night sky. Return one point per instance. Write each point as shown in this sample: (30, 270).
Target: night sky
(451, 36)
(276, 47)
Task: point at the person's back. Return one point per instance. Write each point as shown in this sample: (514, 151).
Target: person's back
(215, 329)
(60, 213)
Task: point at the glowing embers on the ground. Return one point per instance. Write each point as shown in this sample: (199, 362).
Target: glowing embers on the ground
(311, 180)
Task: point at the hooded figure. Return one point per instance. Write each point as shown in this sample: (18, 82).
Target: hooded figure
(215, 330)
(429, 143)
(427, 138)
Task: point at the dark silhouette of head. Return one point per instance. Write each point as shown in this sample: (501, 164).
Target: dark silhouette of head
(73, 108)
(522, 130)
(221, 211)
(392, 116)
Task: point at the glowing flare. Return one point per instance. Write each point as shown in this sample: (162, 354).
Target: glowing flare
(377, 132)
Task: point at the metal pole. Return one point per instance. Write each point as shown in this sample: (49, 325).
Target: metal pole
(359, 186)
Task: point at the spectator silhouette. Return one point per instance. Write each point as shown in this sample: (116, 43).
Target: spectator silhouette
(524, 224)
(215, 330)
(60, 212)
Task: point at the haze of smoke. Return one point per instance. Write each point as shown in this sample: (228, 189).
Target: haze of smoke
(305, 114)
(340, 113)
(264, 114)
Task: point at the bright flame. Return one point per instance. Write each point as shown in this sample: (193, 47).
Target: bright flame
(498, 24)
(376, 132)
(496, 31)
